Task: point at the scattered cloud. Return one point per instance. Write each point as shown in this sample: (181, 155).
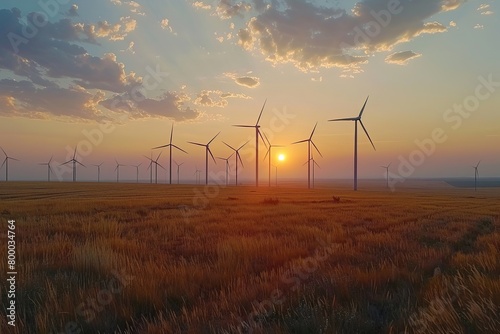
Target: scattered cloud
(478, 26)
(73, 10)
(165, 25)
(172, 105)
(103, 29)
(133, 6)
(312, 36)
(453, 24)
(246, 81)
(401, 58)
(201, 5)
(216, 98)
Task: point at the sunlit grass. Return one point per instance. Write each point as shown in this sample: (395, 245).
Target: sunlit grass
(343, 262)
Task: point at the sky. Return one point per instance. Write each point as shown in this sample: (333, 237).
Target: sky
(110, 77)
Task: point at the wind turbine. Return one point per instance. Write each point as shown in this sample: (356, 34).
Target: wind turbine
(137, 175)
(269, 151)
(387, 169)
(257, 134)
(156, 167)
(6, 163)
(356, 120)
(313, 164)
(227, 166)
(98, 171)
(476, 175)
(309, 142)
(49, 169)
(117, 170)
(276, 175)
(197, 173)
(178, 170)
(74, 161)
(238, 156)
(170, 146)
(207, 151)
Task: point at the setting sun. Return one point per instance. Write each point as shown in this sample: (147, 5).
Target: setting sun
(281, 157)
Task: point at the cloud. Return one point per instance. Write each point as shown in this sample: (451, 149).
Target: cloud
(165, 25)
(201, 5)
(53, 54)
(453, 24)
(103, 29)
(312, 36)
(171, 105)
(133, 6)
(226, 9)
(246, 81)
(478, 26)
(401, 58)
(24, 99)
(216, 98)
(73, 10)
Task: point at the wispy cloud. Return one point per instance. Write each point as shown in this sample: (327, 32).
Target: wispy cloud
(401, 58)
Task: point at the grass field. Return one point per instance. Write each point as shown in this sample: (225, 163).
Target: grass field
(126, 258)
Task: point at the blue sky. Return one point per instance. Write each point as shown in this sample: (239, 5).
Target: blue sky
(206, 65)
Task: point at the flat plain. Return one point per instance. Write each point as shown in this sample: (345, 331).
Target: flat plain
(141, 258)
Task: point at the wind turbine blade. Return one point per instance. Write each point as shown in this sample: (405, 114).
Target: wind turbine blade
(50, 159)
(268, 142)
(258, 119)
(3, 151)
(363, 109)
(74, 154)
(209, 151)
(360, 122)
(389, 165)
(180, 149)
(244, 126)
(160, 165)
(316, 148)
(3, 162)
(159, 155)
(343, 119)
(478, 163)
(301, 141)
(14, 159)
(67, 162)
(316, 164)
(267, 153)
(229, 146)
(239, 157)
(260, 134)
(312, 133)
(190, 142)
(171, 133)
(213, 138)
(163, 146)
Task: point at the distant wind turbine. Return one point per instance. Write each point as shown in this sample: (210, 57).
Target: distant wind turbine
(170, 146)
(387, 170)
(356, 120)
(98, 171)
(269, 153)
(313, 163)
(207, 151)
(178, 170)
(227, 166)
(6, 163)
(476, 175)
(237, 157)
(117, 170)
(156, 163)
(74, 161)
(49, 168)
(257, 135)
(137, 173)
(309, 142)
(198, 176)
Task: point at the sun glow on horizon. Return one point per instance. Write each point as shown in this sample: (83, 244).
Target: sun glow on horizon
(281, 157)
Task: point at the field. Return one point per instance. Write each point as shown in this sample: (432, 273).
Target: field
(126, 258)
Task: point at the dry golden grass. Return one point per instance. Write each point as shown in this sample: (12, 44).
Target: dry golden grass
(194, 259)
